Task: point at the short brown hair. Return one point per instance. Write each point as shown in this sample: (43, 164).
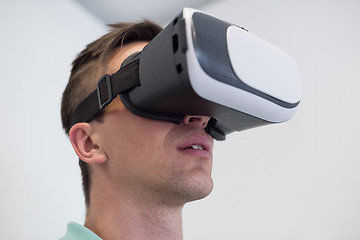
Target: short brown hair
(89, 66)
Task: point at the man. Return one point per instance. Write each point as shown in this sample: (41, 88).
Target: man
(137, 173)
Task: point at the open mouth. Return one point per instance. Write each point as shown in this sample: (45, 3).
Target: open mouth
(195, 146)
(198, 146)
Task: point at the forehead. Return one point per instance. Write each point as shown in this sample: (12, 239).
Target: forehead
(118, 56)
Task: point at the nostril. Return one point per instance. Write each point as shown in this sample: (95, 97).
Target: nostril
(196, 120)
(191, 119)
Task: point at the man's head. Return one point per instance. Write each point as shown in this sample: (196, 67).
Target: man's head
(90, 65)
(135, 153)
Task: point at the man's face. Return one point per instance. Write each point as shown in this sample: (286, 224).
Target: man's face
(154, 157)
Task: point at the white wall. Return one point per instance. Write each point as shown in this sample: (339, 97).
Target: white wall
(39, 177)
(298, 180)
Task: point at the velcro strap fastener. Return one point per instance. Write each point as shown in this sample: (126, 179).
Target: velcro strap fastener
(104, 91)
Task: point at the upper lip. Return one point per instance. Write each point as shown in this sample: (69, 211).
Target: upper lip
(200, 140)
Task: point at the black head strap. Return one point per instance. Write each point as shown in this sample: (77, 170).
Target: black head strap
(108, 87)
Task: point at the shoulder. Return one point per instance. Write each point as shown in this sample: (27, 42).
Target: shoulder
(77, 231)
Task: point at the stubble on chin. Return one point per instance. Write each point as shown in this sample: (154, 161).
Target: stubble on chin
(180, 189)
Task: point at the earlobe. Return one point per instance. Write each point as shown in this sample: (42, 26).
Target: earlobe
(83, 144)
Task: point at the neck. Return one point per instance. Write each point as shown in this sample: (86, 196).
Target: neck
(114, 215)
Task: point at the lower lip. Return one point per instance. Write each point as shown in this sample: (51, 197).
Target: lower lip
(196, 153)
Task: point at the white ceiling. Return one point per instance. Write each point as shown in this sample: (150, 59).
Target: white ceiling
(160, 11)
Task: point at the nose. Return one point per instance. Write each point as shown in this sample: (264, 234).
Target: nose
(196, 121)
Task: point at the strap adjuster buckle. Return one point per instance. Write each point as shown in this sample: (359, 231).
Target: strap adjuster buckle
(104, 91)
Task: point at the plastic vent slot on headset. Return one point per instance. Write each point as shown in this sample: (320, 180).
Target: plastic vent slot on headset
(175, 21)
(175, 43)
(179, 68)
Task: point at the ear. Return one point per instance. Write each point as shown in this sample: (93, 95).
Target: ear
(83, 144)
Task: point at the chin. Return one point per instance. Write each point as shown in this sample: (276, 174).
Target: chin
(189, 187)
(199, 189)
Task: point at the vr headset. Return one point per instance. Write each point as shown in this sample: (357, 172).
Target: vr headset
(201, 65)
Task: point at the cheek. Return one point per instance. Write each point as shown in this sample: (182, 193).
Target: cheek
(137, 138)
(142, 151)
(155, 150)
(151, 138)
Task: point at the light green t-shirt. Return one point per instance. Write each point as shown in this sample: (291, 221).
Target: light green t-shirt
(76, 231)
